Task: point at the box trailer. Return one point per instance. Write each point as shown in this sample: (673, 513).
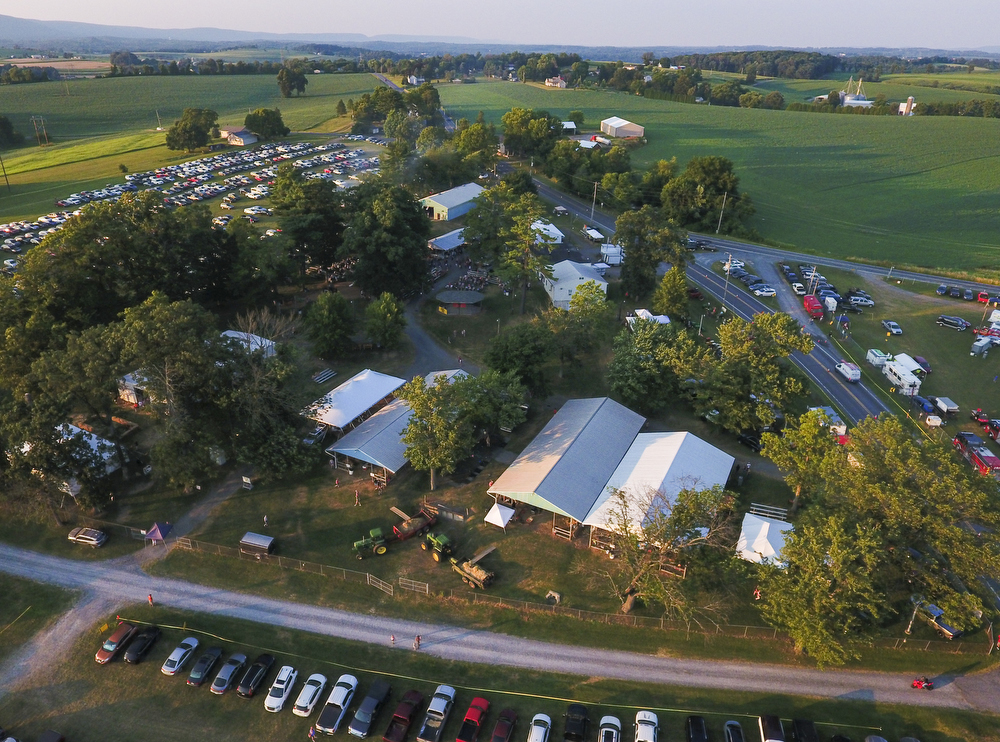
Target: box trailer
(813, 307)
(945, 405)
(903, 381)
(256, 544)
(877, 358)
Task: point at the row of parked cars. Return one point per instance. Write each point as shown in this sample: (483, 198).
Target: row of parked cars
(134, 644)
(956, 292)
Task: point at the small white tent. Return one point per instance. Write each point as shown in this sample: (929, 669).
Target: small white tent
(762, 539)
(499, 515)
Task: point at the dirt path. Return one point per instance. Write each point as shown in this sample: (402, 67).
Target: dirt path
(118, 586)
(46, 649)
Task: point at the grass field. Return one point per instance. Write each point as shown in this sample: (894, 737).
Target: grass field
(914, 190)
(26, 609)
(114, 106)
(982, 82)
(88, 702)
(894, 87)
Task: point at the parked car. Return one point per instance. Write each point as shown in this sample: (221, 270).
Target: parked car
(281, 689)
(404, 716)
(336, 705)
(762, 289)
(647, 727)
(503, 730)
(254, 676)
(200, 672)
(733, 732)
(577, 723)
(924, 404)
(317, 435)
(955, 292)
(610, 729)
(372, 703)
(695, 294)
(891, 327)
(804, 730)
(941, 290)
(799, 289)
(437, 714)
(228, 673)
(114, 643)
(179, 657)
(956, 323)
(310, 694)
(968, 295)
(88, 537)
(751, 441)
(541, 726)
(923, 363)
(141, 645)
(696, 729)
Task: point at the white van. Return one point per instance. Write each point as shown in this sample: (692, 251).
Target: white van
(849, 371)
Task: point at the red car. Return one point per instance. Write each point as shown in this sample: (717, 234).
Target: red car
(114, 643)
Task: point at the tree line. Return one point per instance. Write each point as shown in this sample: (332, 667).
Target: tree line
(14, 75)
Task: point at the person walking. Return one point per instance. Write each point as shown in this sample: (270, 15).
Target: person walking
(416, 642)
(392, 639)
(336, 482)
(150, 599)
(357, 498)
(265, 521)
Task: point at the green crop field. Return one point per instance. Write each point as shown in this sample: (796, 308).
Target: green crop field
(114, 106)
(894, 88)
(919, 190)
(979, 82)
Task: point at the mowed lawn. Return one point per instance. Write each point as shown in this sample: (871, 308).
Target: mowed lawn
(88, 702)
(917, 190)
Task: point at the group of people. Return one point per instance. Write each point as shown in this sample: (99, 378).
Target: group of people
(471, 281)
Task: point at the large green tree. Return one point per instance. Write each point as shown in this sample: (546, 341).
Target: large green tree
(648, 238)
(292, 79)
(388, 234)
(707, 191)
(671, 296)
(9, 137)
(266, 123)
(192, 130)
(385, 321)
(522, 350)
(439, 433)
(329, 324)
(529, 132)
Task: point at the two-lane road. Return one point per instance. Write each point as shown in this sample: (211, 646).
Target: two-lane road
(855, 401)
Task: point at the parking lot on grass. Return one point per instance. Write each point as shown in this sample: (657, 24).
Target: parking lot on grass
(116, 702)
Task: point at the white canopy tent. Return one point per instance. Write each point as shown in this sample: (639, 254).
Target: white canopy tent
(656, 467)
(548, 233)
(252, 343)
(762, 539)
(347, 403)
(499, 515)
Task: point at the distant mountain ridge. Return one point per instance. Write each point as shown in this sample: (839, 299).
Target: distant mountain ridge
(98, 38)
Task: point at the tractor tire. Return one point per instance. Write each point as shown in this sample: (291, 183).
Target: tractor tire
(436, 556)
(465, 580)
(380, 550)
(360, 557)
(423, 545)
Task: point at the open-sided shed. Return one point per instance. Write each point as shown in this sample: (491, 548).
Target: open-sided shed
(353, 401)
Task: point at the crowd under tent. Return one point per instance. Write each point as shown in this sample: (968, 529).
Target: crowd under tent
(354, 401)
(378, 441)
(252, 343)
(460, 302)
(567, 466)
(653, 471)
(762, 539)
(448, 242)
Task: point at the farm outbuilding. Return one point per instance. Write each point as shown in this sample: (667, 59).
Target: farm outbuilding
(241, 138)
(354, 401)
(452, 203)
(566, 277)
(460, 302)
(619, 127)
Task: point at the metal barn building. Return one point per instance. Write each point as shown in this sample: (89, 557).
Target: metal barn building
(619, 127)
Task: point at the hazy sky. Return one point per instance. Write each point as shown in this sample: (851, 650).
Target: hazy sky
(863, 23)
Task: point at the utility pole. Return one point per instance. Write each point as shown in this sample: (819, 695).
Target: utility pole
(725, 293)
(594, 202)
(724, 198)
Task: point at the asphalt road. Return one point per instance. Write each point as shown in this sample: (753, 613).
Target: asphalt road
(121, 583)
(855, 401)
